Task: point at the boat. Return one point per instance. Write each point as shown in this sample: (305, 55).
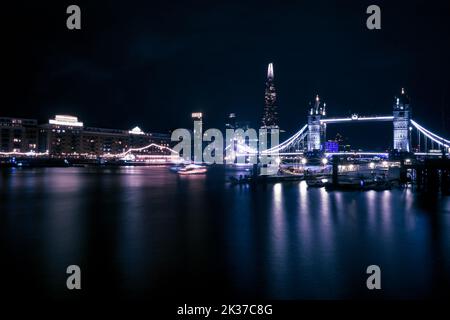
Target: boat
(264, 179)
(316, 181)
(192, 169)
(175, 168)
(377, 185)
(359, 184)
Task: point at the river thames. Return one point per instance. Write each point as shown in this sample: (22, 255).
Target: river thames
(147, 233)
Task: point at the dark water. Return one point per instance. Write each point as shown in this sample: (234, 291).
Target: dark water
(145, 233)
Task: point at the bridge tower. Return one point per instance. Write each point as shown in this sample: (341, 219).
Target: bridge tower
(315, 128)
(402, 114)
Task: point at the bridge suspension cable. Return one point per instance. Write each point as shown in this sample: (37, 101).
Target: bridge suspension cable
(423, 130)
(287, 142)
(288, 146)
(430, 135)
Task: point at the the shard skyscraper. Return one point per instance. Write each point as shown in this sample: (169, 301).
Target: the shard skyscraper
(270, 116)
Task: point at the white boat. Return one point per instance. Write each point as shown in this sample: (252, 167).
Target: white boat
(192, 169)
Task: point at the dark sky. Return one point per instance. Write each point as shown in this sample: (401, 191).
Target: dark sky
(151, 63)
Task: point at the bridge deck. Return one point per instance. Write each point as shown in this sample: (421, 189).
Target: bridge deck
(357, 119)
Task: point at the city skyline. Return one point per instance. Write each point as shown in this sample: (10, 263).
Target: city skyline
(160, 69)
(66, 135)
(224, 158)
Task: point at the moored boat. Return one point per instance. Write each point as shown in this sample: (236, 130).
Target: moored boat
(192, 169)
(316, 181)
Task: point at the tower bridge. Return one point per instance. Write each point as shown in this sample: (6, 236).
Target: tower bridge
(409, 137)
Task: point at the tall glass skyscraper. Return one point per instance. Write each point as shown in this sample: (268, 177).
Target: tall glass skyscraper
(270, 116)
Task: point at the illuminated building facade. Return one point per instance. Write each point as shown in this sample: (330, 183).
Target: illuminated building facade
(331, 146)
(61, 136)
(316, 130)
(18, 135)
(402, 114)
(66, 136)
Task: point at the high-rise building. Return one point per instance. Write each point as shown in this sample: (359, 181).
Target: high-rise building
(231, 121)
(270, 116)
(402, 114)
(61, 136)
(234, 123)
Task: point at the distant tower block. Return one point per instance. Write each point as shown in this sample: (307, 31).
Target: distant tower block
(231, 121)
(315, 128)
(402, 114)
(270, 116)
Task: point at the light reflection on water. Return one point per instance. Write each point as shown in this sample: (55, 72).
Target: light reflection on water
(148, 232)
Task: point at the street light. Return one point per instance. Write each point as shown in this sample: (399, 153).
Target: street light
(324, 161)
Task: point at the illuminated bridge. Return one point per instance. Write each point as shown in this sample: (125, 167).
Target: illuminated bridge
(408, 135)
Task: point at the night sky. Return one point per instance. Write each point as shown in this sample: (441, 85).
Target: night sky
(152, 63)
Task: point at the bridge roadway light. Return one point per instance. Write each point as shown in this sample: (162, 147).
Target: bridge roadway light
(304, 161)
(372, 165)
(324, 161)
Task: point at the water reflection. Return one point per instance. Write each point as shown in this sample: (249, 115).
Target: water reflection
(278, 242)
(148, 232)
